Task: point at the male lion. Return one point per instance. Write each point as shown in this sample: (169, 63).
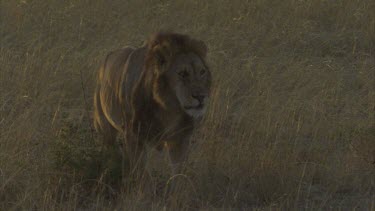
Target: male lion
(155, 94)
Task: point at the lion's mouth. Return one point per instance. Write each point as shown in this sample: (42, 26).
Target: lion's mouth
(195, 111)
(198, 107)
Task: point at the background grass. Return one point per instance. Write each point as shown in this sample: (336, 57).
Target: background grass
(291, 122)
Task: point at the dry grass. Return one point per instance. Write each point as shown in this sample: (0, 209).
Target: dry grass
(291, 123)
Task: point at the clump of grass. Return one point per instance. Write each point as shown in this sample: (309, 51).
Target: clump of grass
(75, 152)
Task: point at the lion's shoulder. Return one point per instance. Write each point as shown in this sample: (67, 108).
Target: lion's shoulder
(133, 70)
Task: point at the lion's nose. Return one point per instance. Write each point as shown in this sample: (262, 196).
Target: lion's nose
(200, 98)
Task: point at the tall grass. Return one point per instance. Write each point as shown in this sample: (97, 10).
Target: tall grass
(291, 122)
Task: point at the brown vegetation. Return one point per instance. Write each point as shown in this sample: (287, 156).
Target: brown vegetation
(290, 123)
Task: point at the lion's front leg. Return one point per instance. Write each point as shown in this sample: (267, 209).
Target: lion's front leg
(136, 153)
(178, 153)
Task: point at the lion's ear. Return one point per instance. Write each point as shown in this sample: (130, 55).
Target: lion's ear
(200, 47)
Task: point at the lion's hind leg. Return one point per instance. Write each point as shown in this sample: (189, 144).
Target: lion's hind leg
(101, 124)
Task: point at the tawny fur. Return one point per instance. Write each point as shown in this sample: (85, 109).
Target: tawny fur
(140, 95)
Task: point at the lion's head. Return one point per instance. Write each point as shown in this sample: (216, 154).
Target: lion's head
(181, 77)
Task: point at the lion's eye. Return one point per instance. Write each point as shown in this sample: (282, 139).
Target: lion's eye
(183, 74)
(202, 72)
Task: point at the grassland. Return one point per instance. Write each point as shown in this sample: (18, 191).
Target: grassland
(291, 122)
